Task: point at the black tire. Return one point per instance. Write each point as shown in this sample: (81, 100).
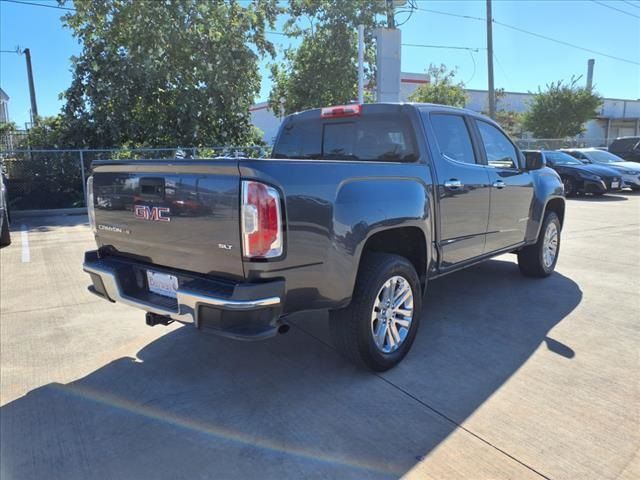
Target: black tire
(5, 235)
(530, 258)
(570, 189)
(351, 327)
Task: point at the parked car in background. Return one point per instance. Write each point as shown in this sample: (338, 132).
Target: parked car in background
(358, 208)
(630, 171)
(627, 148)
(578, 177)
(5, 235)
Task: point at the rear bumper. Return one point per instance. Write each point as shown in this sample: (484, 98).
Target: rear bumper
(237, 310)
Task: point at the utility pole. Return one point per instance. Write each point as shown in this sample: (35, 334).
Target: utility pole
(32, 88)
(590, 65)
(391, 22)
(360, 64)
(492, 92)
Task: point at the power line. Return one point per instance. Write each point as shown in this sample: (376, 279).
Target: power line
(562, 42)
(521, 30)
(616, 9)
(442, 46)
(631, 3)
(57, 7)
(440, 12)
(474, 67)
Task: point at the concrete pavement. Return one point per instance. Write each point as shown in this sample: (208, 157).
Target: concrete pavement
(509, 377)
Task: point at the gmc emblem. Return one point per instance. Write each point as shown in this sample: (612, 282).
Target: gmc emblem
(153, 214)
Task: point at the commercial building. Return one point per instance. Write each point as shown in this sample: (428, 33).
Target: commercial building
(616, 118)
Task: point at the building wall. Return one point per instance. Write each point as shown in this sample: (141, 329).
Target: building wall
(263, 118)
(4, 107)
(618, 117)
(4, 112)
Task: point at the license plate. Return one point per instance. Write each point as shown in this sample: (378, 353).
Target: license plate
(615, 184)
(162, 284)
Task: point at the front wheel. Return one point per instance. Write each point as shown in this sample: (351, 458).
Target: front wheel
(539, 259)
(378, 328)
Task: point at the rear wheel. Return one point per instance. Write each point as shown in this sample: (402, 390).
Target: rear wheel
(378, 328)
(5, 235)
(539, 260)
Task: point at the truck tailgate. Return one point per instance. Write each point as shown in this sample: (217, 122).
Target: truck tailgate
(182, 215)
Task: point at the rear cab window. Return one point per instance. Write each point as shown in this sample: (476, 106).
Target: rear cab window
(386, 137)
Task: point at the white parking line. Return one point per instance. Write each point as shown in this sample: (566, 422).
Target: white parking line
(24, 236)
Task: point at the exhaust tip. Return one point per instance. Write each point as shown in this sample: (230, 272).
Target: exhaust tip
(284, 328)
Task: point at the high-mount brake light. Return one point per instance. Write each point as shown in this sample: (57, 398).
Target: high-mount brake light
(341, 111)
(261, 220)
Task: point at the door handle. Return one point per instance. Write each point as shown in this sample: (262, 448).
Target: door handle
(453, 184)
(499, 184)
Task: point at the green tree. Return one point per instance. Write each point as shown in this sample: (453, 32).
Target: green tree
(441, 88)
(561, 110)
(509, 120)
(177, 72)
(7, 132)
(323, 69)
(47, 132)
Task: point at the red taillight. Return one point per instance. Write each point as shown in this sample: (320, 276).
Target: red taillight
(261, 221)
(341, 111)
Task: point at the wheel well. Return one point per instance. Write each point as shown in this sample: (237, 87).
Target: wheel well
(408, 242)
(556, 205)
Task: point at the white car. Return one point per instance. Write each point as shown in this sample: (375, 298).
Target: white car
(630, 171)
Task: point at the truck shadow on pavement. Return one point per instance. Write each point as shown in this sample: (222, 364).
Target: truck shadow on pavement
(48, 223)
(196, 406)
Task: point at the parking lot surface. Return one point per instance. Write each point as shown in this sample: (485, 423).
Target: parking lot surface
(509, 377)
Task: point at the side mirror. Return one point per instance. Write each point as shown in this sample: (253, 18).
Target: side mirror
(534, 161)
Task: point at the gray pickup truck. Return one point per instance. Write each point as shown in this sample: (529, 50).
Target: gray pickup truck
(357, 209)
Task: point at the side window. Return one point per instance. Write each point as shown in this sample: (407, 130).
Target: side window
(453, 137)
(500, 151)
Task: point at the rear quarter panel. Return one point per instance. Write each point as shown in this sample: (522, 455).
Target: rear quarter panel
(331, 209)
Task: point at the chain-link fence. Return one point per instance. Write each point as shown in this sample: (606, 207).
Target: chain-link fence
(557, 143)
(51, 179)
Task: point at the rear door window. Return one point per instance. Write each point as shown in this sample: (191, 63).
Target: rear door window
(453, 137)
